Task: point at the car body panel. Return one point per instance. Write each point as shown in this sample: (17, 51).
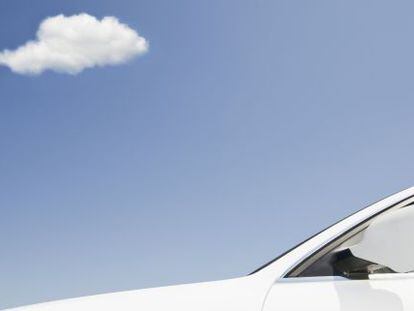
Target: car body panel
(384, 293)
(240, 294)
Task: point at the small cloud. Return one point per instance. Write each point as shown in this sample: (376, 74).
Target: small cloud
(70, 44)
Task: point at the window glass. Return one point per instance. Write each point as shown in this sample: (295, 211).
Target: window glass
(386, 245)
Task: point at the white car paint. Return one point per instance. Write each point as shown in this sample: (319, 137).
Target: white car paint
(221, 295)
(386, 238)
(268, 289)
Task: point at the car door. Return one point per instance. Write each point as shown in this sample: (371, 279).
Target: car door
(369, 269)
(329, 294)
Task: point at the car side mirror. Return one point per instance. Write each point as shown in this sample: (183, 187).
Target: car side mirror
(388, 240)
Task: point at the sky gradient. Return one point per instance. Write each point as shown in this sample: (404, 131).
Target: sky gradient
(247, 127)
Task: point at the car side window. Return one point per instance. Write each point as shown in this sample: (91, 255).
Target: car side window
(385, 245)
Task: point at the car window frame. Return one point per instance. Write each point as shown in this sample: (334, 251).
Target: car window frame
(326, 248)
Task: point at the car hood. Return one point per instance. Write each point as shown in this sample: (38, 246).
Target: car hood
(229, 295)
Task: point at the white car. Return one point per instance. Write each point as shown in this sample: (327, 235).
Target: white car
(364, 262)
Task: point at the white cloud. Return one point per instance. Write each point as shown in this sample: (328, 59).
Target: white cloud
(70, 44)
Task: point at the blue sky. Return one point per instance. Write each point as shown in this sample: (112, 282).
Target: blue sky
(248, 126)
